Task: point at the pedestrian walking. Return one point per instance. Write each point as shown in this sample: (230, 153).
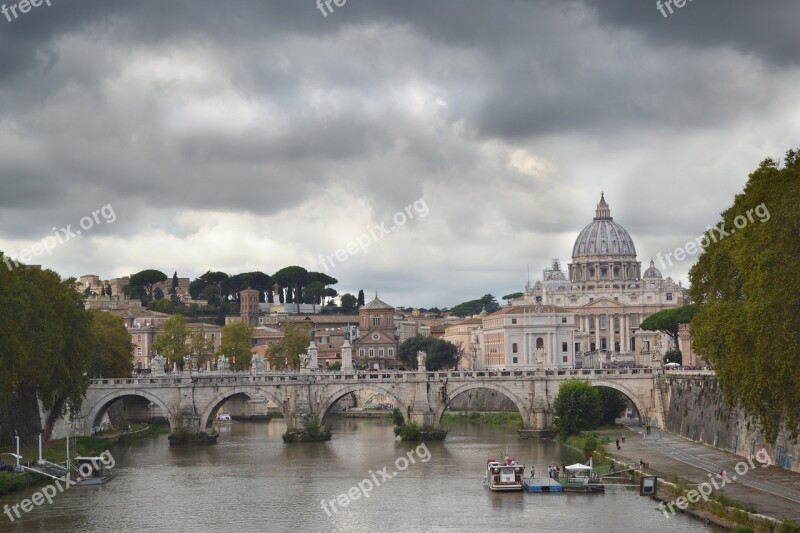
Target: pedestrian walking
(617, 441)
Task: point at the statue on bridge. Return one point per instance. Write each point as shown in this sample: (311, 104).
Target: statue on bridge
(421, 358)
(190, 363)
(157, 365)
(222, 364)
(257, 363)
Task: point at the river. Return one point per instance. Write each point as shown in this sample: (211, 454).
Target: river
(251, 481)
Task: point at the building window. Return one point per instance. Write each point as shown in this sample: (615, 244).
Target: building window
(591, 300)
(563, 320)
(376, 321)
(577, 347)
(669, 296)
(391, 352)
(380, 352)
(513, 320)
(564, 347)
(564, 359)
(138, 338)
(361, 352)
(138, 351)
(514, 347)
(514, 360)
(372, 353)
(616, 299)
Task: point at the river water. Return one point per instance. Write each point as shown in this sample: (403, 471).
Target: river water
(251, 481)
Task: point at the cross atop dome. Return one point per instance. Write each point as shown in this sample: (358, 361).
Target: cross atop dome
(603, 211)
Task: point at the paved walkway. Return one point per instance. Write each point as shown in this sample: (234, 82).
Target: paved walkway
(770, 491)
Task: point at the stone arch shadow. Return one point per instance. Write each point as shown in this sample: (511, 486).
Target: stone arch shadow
(210, 410)
(101, 406)
(520, 405)
(327, 404)
(641, 409)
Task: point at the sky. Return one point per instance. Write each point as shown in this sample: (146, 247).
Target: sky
(433, 151)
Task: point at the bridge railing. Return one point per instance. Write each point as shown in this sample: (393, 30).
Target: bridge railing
(232, 378)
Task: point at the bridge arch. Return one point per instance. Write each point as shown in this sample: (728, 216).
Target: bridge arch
(520, 405)
(98, 409)
(327, 404)
(210, 410)
(635, 399)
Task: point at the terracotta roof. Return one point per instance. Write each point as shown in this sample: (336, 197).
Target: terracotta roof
(535, 309)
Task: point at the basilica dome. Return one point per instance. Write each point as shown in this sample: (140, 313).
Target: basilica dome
(603, 236)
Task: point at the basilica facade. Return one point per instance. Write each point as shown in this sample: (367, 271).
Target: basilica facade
(603, 298)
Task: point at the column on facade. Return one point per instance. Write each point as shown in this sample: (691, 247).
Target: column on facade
(609, 332)
(596, 331)
(626, 330)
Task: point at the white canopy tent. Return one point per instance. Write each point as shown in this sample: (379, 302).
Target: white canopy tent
(577, 467)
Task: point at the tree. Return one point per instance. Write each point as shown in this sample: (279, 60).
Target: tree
(360, 297)
(237, 344)
(314, 291)
(512, 296)
(147, 280)
(440, 353)
(200, 346)
(349, 304)
(295, 277)
(109, 292)
(173, 291)
(286, 353)
(473, 307)
(612, 403)
(576, 407)
(669, 320)
(158, 294)
(111, 352)
(746, 285)
(218, 279)
(171, 342)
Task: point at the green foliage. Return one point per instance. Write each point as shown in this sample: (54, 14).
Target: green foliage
(50, 346)
(589, 446)
(171, 342)
(408, 431)
(397, 418)
(335, 367)
(576, 408)
(200, 346)
(236, 344)
(294, 277)
(360, 301)
(747, 288)
(441, 353)
(513, 295)
(473, 307)
(147, 280)
(349, 304)
(789, 526)
(111, 347)
(673, 356)
(612, 403)
(668, 320)
(286, 354)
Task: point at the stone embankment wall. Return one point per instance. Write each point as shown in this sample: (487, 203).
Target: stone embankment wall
(695, 409)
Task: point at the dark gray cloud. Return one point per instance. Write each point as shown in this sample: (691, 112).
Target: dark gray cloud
(259, 134)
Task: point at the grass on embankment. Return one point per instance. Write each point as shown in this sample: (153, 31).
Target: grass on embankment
(513, 420)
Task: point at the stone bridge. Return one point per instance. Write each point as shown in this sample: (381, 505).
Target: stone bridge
(192, 401)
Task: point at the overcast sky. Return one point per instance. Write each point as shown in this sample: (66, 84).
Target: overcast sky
(253, 135)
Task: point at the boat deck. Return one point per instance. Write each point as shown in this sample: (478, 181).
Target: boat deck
(535, 484)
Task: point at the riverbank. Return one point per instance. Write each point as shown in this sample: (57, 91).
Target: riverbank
(54, 451)
(762, 499)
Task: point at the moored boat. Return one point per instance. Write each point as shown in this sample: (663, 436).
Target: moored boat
(503, 476)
